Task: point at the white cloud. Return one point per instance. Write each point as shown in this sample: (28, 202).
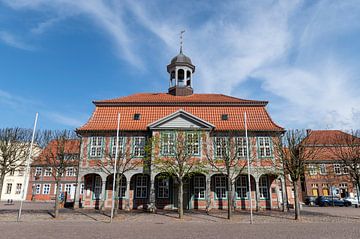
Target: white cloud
(14, 41)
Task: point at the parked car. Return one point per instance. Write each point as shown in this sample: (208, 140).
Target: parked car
(325, 201)
(353, 201)
(310, 200)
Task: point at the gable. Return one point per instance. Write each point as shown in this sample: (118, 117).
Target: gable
(181, 120)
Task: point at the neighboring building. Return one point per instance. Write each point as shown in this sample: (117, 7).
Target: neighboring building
(326, 174)
(146, 115)
(14, 180)
(42, 184)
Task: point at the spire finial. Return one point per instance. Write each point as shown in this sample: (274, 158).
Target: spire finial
(181, 40)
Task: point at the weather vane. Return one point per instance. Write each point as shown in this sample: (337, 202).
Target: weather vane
(181, 40)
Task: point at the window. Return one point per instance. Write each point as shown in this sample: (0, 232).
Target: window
(163, 188)
(224, 117)
(241, 149)
(97, 188)
(337, 169)
(241, 187)
(322, 169)
(37, 188)
(220, 187)
(343, 185)
(8, 188)
(12, 172)
(312, 169)
(46, 189)
(82, 186)
(21, 171)
(220, 145)
(345, 170)
(38, 171)
(70, 171)
(139, 147)
(314, 185)
(199, 187)
(168, 143)
(18, 188)
(141, 186)
(122, 188)
(137, 116)
(96, 146)
(193, 143)
(68, 188)
(263, 187)
(47, 172)
(264, 146)
(60, 188)
(120, 146)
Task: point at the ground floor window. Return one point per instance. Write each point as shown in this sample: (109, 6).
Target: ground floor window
(241, 187)
(8, 188)
(264, 187)
(163, 188)
(122, 188)
(141, 186)
(220, 187)
(46, 189)
(37, 188)
(82, 187)
(199, 187)
(97, 187)
(68, 188)
(18, 188)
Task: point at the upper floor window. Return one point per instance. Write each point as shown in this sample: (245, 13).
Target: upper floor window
(220, 146)
(241, 149)
(70, 171)
(38, 171)
(345, 170)
(312, 169)
(120, 146)
(168, 143)
(337, 169)
(12, 172)
(48, 172)
(96, 146)
(264, 144)
(139, 146)
(322, 169)
(193, 143)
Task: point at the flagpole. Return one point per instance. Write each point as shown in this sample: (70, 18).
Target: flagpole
(248, 168)
(114, 177)
(24, 189)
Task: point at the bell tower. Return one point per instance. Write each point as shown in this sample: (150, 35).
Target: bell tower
(181, 70)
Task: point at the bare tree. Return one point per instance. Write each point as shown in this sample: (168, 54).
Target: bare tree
(346, 149)
(125, 162)
(61, 150)
(14, 149)
(178, 160)
(228, 158)
(294, 151)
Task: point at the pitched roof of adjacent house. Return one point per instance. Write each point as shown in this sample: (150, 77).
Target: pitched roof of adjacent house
(154, 106)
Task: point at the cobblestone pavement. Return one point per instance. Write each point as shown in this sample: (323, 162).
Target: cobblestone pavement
(37, 222)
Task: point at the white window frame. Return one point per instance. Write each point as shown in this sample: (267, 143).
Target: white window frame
(241, 149)
(37, 188)
(193, 143)
(345, 169)
(312, 169)
(46, 188)
(337, 169)
(322, 169)
(97, 187)
(8, 188)
(12, 172)
(220, 146)
(70, 171)
(141, 186)
(199, 187)
(122, 188)
(82, 188)
(60, 188)
(96, 143)
(68, 187)
(167, 143)
(38, 171)
(120, 146)
(163, 188)
(241, 187)
(48, 171)
(220, 187)
(264, 187)
(139, 146)
(264, 144)
(18, 188)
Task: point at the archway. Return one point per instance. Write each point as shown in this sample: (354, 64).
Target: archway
(92, 190)
(140, 190)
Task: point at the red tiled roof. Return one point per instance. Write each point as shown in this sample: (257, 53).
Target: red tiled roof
(164, 98)
(327, 137)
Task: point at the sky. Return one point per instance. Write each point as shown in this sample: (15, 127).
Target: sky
(57, 56)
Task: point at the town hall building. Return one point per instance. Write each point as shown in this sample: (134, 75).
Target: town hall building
(204, 118)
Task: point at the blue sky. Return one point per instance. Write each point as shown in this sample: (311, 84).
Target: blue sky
(302, 56)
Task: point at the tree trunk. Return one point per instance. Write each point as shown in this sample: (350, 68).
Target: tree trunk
(358, 191)
(116, 197)
(57, 199)
(180, 198)
(2, 176)
(229, 199)
(297, 204)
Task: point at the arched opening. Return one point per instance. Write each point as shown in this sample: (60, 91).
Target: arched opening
(242, 194)
(268, 191)
(181, 77)
(219, 187)
(163, 191)
(198, 191)
(92, 190)
(172, 79)
(188, 78)
(121, 196)
(140, 189)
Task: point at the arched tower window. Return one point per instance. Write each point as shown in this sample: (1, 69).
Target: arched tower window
(181, 77)
(188, 78)
(172, 78)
